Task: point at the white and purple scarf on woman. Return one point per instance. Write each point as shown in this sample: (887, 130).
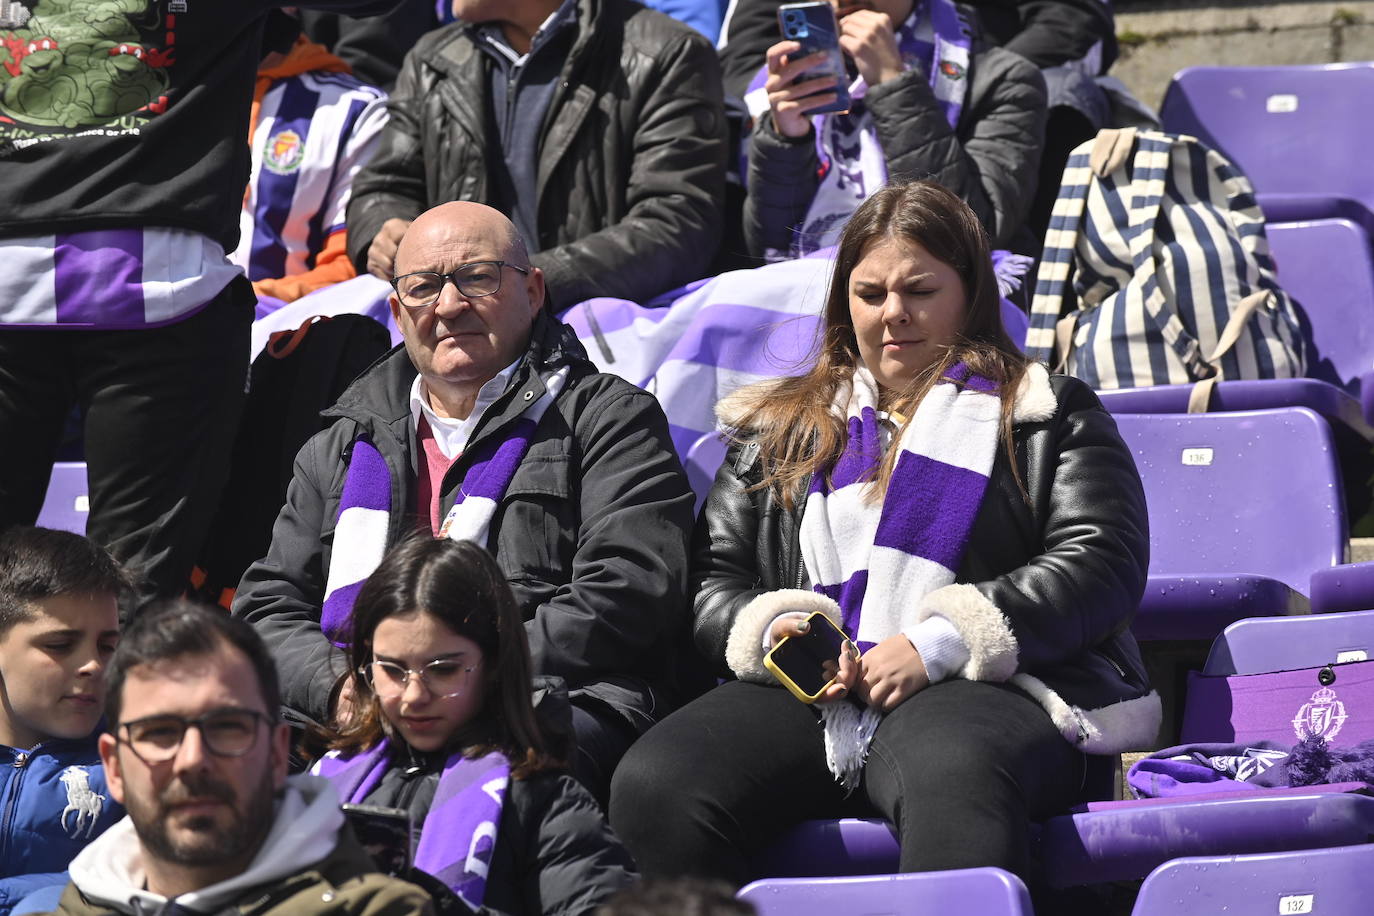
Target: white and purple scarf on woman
(460, 830)
(360, 538)
(876, 558)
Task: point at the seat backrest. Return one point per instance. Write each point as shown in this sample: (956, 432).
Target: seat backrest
(986, 891)
(1262, 644)
(66, 505)
(1327, 266)
(1292, 130)
(1254, 492)
(1332, 882)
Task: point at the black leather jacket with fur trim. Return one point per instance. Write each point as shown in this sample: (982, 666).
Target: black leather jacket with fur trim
(1061, 573)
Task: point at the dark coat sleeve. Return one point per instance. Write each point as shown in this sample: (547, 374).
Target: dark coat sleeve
(674, 192)
(392, 184)
(1086, 583)
(280, 595)
(567, 861)
(1055, 31)
(627, 586)
(781, 183)
(993, 159)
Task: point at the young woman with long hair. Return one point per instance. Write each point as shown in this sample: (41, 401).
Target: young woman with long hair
(975, 526)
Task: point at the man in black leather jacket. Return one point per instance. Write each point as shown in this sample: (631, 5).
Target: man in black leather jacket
(596, 124)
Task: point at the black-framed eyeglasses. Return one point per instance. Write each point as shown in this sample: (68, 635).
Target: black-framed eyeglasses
(225, 732)
(442, 677)
(480, 278)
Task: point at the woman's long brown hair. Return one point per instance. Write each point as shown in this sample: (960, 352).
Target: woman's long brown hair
(791, 418)
(460, 585)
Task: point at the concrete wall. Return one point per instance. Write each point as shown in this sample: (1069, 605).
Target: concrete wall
(1160, 37)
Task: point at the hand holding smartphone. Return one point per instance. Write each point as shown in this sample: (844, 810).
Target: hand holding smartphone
(806, 71)
(807, 664)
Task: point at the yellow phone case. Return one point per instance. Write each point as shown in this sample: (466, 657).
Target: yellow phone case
(815, 619)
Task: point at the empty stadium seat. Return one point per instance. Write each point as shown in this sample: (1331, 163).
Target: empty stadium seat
(66, 505)
(1301, 133)
(1330, 882)
(984, 891)
(1244, 506)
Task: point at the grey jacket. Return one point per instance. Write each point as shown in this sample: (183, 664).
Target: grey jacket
(990, 159)
(632, 160)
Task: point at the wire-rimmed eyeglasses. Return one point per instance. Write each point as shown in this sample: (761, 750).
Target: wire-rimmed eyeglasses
(443, 677)
(480, 278)
(225, 732)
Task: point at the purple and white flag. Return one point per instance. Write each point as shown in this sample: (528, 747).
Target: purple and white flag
(461, 827)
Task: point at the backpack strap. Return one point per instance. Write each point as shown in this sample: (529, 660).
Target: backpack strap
(1049, 333)
(1200, 398)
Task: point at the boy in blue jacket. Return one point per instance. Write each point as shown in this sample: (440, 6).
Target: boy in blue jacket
(59, 623)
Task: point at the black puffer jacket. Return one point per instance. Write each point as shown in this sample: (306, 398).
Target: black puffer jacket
(990, 158)
(632, 152)
(1061, 576)
(592, 532)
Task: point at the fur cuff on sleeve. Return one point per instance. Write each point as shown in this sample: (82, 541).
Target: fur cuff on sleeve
(744, 649)
(992, 649)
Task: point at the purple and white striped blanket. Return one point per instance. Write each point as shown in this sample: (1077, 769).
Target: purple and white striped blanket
(459, 832)
(877, 558)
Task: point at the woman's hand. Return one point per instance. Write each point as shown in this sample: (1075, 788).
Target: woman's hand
(791, 104)
(868, 38)
(890, 673)
(845, 669)
(345, 702)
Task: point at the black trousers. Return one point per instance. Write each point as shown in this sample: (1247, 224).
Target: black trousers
(961, 769)
(160, 409)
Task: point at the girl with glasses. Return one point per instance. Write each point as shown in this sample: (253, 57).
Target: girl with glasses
(444, 728)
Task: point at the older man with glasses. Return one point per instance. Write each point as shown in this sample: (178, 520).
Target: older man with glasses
(197, 753)
(490, 425)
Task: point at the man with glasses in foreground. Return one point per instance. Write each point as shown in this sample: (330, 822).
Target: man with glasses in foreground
(196, 751)
(489, 425)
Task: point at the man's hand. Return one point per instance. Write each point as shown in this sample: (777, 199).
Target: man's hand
(890, 673)
(791, 104)
(868, 38)
(381, 254)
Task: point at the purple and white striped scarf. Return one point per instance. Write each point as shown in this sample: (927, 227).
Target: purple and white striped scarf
(460, 830)
(360, 537)
(878, 559)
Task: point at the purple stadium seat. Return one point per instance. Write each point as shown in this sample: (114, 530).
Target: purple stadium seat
(1281, 679)
(1284, 643)
(1328, 268)
(66, 506)
(1234, 532)
(1300, 133)
(1127, 842)
(1330, 882)
(984, 891)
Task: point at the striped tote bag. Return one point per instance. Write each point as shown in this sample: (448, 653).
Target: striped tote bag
(1171, 277)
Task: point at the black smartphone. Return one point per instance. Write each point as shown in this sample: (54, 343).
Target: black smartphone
(384, 833)
(807, 664)
(814, 27)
